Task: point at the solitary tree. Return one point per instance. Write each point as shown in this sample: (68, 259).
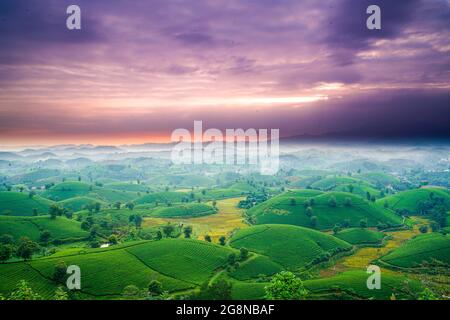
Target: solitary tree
(26, 248)
(129, 205)
(285, 286)
(351, 188)
(155, 288)
(243, 254)
(309, 211)
(336, 228)
(222, 240)
(232, 258)
(208, 238)
(293, 202)
(348, 202)
(187, 232)
(59, 273)
(117, 205)
(313, 221)
(332, 202)
(5, 252)
(44, 236)
(363, 223)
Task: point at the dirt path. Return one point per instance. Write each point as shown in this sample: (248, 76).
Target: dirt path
(364, 256)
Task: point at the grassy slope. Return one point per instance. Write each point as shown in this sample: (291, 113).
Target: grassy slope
(178, 264)
(280, 211)
(78, 203)
(290, 246)
(360, 236)
(410, 199)
(186, 210)
(60, 228)
(424, 247)
(353, 283)
(20, 204)
(71, 189)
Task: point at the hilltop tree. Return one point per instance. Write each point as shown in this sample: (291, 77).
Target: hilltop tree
(232, 259)
(5, 252)
(222, 240)
(313, 221)
(129, 205)
(217, 290)
(44, 236)
(155, 288)
(243, 254)
(55, 211)
(138, 220)
(187, 232)
(363, 223)
(309, 211)
(59, 273)
(423, 229)
(208, 238)
(348, 202)
(332, 202)
(131, 292)
(26, 248)
(6, 239)
(285, 286)
(112, 239)
(31, 194)
(351, 188)
(292, 202)
(336, 228)
(117, 205)
(168, 229)
(368, 195)
(346, 223)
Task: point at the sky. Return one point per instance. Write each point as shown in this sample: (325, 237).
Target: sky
(137, 70)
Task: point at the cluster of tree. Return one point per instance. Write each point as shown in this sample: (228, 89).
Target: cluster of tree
(285, 286)
(24, 248)
(57, 211)
(252, 200)
(24, 292)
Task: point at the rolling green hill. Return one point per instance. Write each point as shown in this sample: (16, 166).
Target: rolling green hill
(78, 203)
(360, 236)
(426, 247)
(290, 246)
(20, 204)
(352, 284)
(162, 197)
(60, 228)
(281, 210)
(66, 190)
(329, 183)
(379, 178)
(185, 210)
(178, 264)
(411, 199)
(72, 189)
